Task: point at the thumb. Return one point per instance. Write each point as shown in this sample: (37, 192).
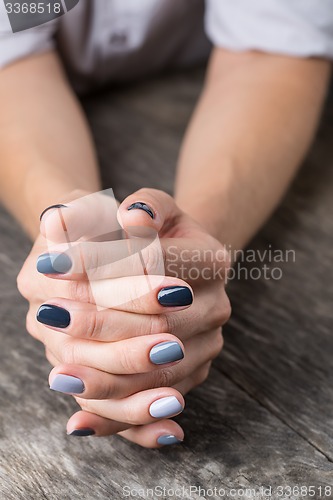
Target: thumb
(150, 208)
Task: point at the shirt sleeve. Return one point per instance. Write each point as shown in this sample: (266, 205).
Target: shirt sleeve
(18, 45)
(301, 28)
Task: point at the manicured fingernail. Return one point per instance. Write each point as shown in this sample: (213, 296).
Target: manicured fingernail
(172, 296)
(166, 352)
(142, 206)
(53, 316)
(67, 384)
(54, 263)
(168, 439)
(165, 407)
(85, 431)
(50, 208)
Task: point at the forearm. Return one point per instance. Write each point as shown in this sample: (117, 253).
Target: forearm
(45, 147)
(253, 124)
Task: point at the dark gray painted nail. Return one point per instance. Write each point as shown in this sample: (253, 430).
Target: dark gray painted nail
(172, 296)
(50, 208)
(140, 205)
(85, 431)
(67, 384)
(166, 352)
(53, 316)
(168, 439)
(54, 263)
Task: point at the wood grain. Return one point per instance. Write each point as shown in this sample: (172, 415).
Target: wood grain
(264, 417)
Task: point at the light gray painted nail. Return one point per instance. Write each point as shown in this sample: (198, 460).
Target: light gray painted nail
(166, 352)
(165, 407)
(67, 384)
(168, 439)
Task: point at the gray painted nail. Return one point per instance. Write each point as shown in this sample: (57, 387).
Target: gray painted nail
(166, 352)
(165, 407)
(67, 384)
(54, 263)
(168, 439)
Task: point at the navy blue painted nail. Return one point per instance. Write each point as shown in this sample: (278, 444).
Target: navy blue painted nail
(140, 205)
(50, 208)
(67, 384)
(166, 352)
(85, 431)
(168, 439)
(173, 296)
(53, 316)
(54, 263)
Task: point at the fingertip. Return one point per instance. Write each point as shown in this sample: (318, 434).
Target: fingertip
(159, 434)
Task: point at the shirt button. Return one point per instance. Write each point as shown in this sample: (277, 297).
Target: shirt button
(119, 39)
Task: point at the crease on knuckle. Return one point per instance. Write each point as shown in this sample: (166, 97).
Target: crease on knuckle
(126, 360)
(159, 323)
(93, 326)
(80, 291)
(164, 378)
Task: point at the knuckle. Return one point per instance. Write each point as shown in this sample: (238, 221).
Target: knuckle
(159, 323)
(93, 326)
(227, 309)
(163, 378)
(127, 362)
(217, 343)
(80, 291)
(222, 257)
(154, 258)
(203, 373)
(24, 283)
(222, 310)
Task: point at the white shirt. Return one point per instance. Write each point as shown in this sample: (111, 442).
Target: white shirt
(116, 40)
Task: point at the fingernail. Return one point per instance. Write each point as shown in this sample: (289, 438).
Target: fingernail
(166, 352)
(142, 206)
(53, 263)
(85, 431)
(50, 208)
(165, 407)
(53, 316)
(67, 384)
(168, 439)
(172, 296)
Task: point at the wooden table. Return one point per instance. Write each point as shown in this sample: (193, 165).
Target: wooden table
(265, 415)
